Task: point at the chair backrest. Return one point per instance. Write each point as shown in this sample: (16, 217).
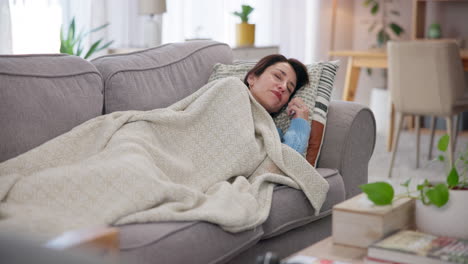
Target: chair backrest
(425, 77)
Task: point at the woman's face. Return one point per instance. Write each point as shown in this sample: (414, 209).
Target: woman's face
(274, 86)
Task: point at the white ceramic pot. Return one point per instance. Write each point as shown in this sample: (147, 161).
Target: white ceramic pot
(449, 220)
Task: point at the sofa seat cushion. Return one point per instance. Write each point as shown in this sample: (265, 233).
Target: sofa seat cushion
(291, 209)
(177, 242)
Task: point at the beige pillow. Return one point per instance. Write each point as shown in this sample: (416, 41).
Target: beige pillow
(316, 95)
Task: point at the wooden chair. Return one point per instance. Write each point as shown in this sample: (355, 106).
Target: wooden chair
(426, 78)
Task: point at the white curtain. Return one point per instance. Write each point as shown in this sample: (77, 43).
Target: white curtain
(89, 14)
(5, 27)
(35, 26)
(292, 25)
(300, 27)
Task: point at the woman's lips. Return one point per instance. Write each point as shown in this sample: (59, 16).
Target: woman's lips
(278, 94)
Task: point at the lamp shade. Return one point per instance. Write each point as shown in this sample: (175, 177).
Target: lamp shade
(151, 7)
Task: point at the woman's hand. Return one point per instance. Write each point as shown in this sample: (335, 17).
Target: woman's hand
(297, 108)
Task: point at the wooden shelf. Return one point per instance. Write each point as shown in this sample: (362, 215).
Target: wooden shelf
(419, 16)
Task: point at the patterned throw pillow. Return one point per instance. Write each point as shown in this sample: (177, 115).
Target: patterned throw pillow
(316, 96)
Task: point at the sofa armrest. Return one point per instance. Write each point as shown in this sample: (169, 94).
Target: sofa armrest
(348, 144)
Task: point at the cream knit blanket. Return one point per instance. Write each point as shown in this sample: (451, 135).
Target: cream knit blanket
(213, 156)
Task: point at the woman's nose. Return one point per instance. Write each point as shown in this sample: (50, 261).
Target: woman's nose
(282, 86)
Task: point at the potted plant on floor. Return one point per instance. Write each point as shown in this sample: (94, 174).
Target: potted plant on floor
(245, 32)
(440, 206)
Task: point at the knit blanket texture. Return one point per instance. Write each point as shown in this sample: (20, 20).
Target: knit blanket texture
(214, 156)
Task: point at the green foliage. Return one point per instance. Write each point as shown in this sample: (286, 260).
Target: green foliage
(382, 23)
(385, 23)
(442, 145)
(244, 14)
(382, 193)
(453, 178)
(71, 42)
(437, 195)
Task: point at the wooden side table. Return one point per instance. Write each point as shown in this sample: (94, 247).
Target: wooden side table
(325, 249)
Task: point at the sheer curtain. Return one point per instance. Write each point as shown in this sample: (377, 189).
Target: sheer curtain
(5, 27)
(292, 25)
(35, 26)
(298, 27)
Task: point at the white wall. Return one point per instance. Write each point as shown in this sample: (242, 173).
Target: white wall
(363, 40)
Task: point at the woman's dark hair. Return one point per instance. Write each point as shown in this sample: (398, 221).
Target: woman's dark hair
(299, 68)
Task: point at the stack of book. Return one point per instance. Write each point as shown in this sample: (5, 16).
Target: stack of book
(412, 247)
(357, 222)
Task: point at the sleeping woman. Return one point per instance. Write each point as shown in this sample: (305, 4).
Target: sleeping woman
(273, 81)
(187, 162)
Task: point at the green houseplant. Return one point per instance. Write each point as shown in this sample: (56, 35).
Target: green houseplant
(383, 22)
(71, 42)
(440, 206)
(244, 13)
(245, 32)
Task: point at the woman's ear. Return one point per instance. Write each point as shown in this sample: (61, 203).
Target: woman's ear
(251, 79)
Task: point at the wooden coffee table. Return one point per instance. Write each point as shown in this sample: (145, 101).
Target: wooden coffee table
(325, 249)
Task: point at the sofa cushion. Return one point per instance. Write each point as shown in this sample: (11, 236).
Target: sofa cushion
(43, 96)
(291, 209)
(177, 242)
(157, 77)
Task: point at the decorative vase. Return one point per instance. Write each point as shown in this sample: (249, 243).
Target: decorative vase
(434, 31)
(245, 34)
(448, 220)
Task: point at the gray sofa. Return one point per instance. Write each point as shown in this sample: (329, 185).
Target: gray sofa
(43, 96)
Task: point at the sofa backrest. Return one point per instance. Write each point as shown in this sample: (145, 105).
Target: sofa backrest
(43, 96)
(157, 77)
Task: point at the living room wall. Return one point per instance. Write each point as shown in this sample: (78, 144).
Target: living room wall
(451, 15)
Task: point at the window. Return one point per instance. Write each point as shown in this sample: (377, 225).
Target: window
(35, 26)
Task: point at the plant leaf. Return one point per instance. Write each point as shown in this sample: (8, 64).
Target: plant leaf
(382, 37)
(92, 49)
(443, 143)
(375, 8)
(396, 29)
(71, 30)
(441, 158)
(438, 195)
(246, 9)
(380, 193)
(372, 26)
(104, 46)
(453, 177)
(98, 28)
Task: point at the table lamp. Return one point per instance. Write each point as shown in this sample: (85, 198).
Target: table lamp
(153, 25)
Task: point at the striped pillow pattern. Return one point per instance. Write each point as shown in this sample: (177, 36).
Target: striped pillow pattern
(319, 117)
